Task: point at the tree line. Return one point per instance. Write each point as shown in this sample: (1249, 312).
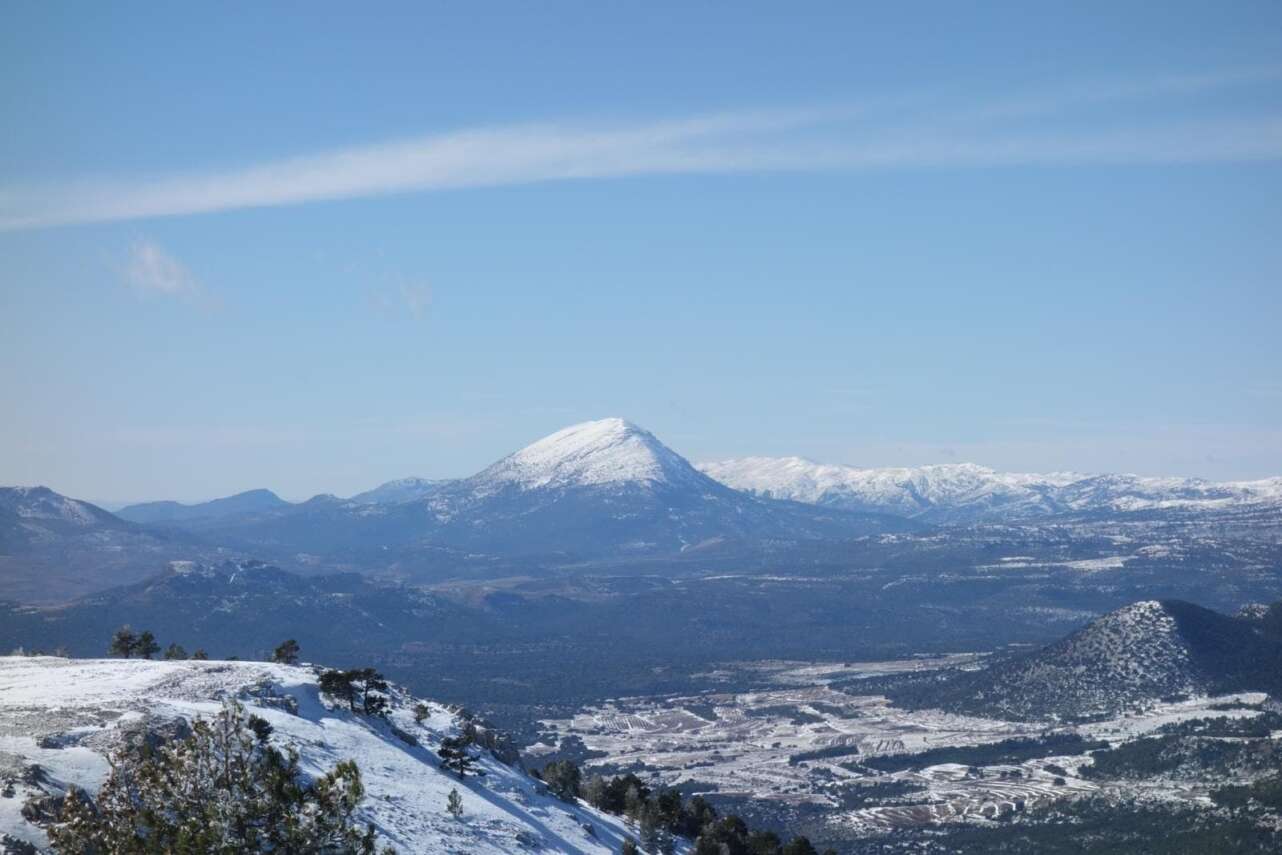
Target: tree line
(128, 644)
(664, 814)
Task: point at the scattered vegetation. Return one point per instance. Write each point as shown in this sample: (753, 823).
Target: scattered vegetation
(454, 803)
(223, 789)
(1010, 751)
(364, 690)
(286, 652)
(661, 816)
(1093, 826)
(1181, 755)
(128, 644)
(455, 756)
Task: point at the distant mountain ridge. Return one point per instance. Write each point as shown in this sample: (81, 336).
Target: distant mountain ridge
(598, 488)
(400, 490)
(966, 492)
(250, 501)
(53, 547)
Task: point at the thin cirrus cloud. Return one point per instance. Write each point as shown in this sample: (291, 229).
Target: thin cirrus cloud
(1069, 126)
(151, 270)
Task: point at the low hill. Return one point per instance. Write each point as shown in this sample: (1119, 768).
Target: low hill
(1126, 659)
(54, 548)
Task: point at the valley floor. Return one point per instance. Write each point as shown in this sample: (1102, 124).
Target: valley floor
(799, 750)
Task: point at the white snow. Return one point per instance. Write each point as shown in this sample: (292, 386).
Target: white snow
(604, 452)
(395, 492)
(85, 703)
(978, 491)
(41, 503)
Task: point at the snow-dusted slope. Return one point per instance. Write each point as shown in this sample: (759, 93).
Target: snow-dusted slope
(395, 492)
(42, 508)
(59, 718)
(966, 492)
(54, 548)
(593, 454)
(1128, 658)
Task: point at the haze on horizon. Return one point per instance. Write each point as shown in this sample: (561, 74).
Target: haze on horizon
(1034, 240)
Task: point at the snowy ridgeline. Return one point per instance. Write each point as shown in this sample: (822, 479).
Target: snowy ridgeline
(966, 491)
(60, 718)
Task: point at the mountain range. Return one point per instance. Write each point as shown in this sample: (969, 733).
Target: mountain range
(611, 454)
(965, 492)
(605, 490)
(600, 488)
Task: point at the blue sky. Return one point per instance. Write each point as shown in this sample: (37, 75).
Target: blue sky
(312, 250)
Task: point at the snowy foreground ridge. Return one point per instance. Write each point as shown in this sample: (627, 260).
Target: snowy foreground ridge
(59, 718)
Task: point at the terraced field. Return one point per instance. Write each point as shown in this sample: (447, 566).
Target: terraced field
(810, 741)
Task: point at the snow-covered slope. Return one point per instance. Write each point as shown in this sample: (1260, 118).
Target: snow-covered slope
(395, 492)
(963, 492)
(59, 719)
(39, 509)
(593, 454)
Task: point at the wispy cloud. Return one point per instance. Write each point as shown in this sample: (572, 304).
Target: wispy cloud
(151, 270)
(1011, 129)
(411, 299)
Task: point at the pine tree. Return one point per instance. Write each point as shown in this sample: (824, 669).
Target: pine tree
(629, 847)
(175, 651)
(563, 778)
(200, 654)
(633, 803)
(338, 685)
(649, 829)
(223, 789)
(454, 804)
(373, 692)
(421, 712)
(146, 645)
(799, 845)
(123, 642)
(594, 792)
(455, 758)
(286, 652)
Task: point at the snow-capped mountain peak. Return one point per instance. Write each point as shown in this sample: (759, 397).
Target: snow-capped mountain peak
(591, 454)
